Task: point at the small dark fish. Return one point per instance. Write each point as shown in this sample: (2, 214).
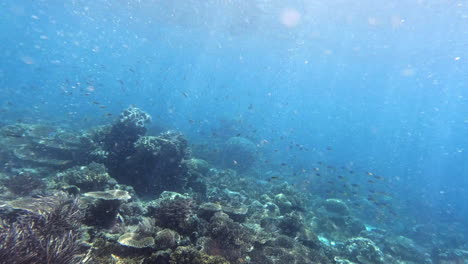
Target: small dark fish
(185, 94)
(250, 106)
(13, 135)
(108, 114)
(329, 148)
(284, 164)
(354, 185)
(371, 181)
(273, 178)
(102, 106)
(94, 102)
(341, 177)
(238, 134)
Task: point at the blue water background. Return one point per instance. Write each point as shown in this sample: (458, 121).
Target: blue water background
(383, 84)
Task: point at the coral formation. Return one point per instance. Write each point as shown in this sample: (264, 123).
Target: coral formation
(227, 238)
(363, 251)
(177, 212)
(136, 240)
(204, 215)
(93, 177)
(239, 153)
(102, 207)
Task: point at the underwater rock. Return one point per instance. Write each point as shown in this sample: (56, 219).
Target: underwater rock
(157, 164)
(335, 206)
(239, 153)
(198, 165)
(113, 145)
(103, 207)
(92, 177)
(150, 164)
(363, 251)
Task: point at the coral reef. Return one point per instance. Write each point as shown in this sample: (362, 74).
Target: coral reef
(146, 199)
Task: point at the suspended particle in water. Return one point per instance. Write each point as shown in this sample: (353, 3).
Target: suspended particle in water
(290, 17)
(27, 60)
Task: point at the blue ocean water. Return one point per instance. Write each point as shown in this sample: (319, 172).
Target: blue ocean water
(367, 86)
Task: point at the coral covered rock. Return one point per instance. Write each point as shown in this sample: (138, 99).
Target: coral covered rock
(363, 251)
(227, 238)
(93, 177)
(102, 207)
(166, 238)
(189, 255)
(175, 212)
